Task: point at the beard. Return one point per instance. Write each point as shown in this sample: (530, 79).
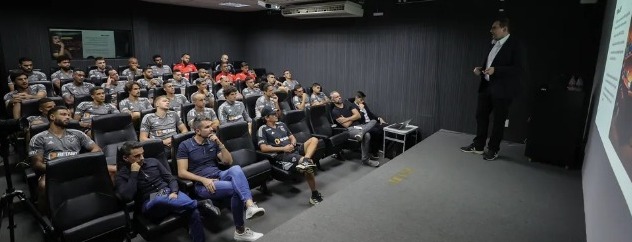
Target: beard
(65, 68)
(60, 123)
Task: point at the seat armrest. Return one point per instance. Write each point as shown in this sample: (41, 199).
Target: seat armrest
(184, 183)
(339, 138)
(338, 130)
(320, 136)
(265, 156)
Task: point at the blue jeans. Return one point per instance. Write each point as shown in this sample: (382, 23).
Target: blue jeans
(232, 182)
(161, 206)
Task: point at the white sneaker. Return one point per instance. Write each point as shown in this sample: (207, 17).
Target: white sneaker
(254, 211)
(247, 235)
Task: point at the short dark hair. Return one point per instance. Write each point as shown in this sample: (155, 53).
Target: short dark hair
(15, 74)
(198, 121)
(297, 87)
(99, 58)
(62, 58)
(130, 84)
(147, 68)
(248, 78)
(360, 94)
(503, 22)
(265, 87)
(127, 147)
(185, 54)
(23, 59)
(55, 110)
(155, 56)
(43, 101)
(229, 90)
(269, 73)
(95, 89)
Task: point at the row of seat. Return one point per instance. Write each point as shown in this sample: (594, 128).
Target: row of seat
(96, 200)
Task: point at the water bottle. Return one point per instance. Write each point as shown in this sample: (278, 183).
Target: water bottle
(579, 84)
(571, 84)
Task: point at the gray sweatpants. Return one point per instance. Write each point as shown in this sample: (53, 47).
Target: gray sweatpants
(366, 137)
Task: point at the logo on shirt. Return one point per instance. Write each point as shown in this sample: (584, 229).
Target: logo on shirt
(71, 138)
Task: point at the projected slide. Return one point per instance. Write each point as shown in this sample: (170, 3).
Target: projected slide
(81, 44)
(614, 113)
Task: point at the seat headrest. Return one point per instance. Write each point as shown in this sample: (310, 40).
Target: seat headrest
(294, 116)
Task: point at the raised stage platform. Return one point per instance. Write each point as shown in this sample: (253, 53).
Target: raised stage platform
(435, 192)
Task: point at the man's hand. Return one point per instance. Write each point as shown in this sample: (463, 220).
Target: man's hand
(477, 70)
(489, 71)
(166, 142)
(341, 119)
(135, 166)
(209, 184)
(213, 137)
(173, 195)
(288, 148)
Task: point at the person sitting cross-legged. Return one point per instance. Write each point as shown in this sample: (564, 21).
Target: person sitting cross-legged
(275, 137)
(198, 159)
(151, 183)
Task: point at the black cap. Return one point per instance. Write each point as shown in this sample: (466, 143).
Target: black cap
(267, 111)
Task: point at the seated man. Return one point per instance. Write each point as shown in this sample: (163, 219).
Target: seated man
(23, 91)
(377, 132)
(162, 124)
(77, 88)
(159, 68)
(26, 65)
(198, 159)
(202, 86)
(134, 103)
(113, 84)
(225, 73)
(45, 104)
(245, 73)
(278, 86)
(346, 115)
(100, 71)
(179, 82)
(226, 83)
(132, 70)
(300, 99)
(148, 81)
(57, 142)
(200, 110)
(233, 110)
(156, 189)
(175, 100)
(87, 110)
(289, 82)
(318, 97)
(275, 137)
(251, 88)
(269, 99)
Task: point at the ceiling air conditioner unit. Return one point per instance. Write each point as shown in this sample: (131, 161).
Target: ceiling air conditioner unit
(343, 9)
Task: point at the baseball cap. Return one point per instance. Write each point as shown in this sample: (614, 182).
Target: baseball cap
(267, 111)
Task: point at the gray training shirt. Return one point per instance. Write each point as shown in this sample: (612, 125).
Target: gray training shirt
(51, 147)
(229, 113)
(161, 128)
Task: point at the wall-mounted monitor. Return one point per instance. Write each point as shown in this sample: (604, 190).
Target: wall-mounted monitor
(90, 43)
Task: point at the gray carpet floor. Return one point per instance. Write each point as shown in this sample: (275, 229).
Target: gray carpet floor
(433, 192)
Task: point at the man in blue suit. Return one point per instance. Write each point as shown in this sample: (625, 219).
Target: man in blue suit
(500, 83)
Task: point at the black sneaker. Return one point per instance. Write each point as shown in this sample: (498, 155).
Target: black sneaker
(206, 206)
(490, 155)
(471, 149)
(316, 198)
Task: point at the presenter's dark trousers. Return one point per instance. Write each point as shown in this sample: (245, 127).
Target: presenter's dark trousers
(486, 106)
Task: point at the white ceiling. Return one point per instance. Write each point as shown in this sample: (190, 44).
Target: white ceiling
(254, 5)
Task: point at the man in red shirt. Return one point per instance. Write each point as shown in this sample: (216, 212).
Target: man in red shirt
(245, 72)
(185, 66)
(225, 72)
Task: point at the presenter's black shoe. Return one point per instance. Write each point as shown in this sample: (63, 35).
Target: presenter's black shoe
(472, 149)
(207, 207)
(490, 155)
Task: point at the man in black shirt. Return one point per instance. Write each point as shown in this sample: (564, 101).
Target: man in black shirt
(152, 183)
(346, 115)
(275, 137)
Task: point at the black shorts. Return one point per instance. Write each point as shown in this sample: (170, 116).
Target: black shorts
(287, 161)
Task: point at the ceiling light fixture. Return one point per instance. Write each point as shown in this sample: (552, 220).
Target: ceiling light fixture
(234, 5)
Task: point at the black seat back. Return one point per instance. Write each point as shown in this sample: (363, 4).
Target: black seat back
(238, 141)
(296, 121)
(31, 107)
(184, 111)
(175, 143)
(204, 65)
(111, 129)
(251, 104)
(319, 121)
(80, 192)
